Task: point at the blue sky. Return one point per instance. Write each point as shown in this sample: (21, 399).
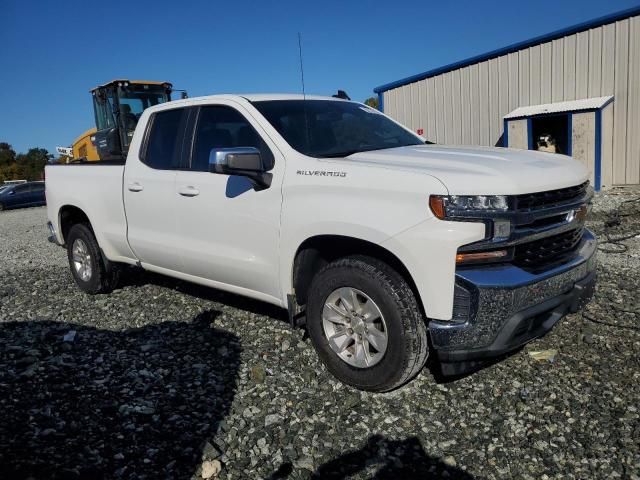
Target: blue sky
(52, 53)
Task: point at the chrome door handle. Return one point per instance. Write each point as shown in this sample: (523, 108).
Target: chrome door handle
(189, 191)
(135, 187)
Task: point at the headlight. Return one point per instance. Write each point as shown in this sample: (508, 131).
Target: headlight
(478, 202)
(445, 206)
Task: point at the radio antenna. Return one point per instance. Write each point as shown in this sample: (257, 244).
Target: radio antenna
(304, 94)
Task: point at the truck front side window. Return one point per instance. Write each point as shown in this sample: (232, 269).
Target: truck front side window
(224, 127)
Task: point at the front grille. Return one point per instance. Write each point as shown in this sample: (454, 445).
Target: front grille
(550, 198)
(547, 251)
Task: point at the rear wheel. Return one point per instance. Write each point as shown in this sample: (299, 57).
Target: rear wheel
(90, 270)
(365, 324)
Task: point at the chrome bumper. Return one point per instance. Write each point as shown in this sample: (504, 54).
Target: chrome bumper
(509, 306)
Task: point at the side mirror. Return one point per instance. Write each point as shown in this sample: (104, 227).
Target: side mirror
(243, 161)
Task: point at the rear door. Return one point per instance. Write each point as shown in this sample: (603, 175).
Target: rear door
(21, 196)
(149, 190)
(230, 231)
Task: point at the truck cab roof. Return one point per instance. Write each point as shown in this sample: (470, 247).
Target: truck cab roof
(251, 97)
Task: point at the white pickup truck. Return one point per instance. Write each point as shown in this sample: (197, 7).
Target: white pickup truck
(373, 239)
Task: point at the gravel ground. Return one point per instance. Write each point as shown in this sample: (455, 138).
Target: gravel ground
(163, 379)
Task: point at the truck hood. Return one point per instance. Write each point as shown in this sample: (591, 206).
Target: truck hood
(480, 170)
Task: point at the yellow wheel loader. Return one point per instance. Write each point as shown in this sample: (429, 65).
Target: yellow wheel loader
(117, 106)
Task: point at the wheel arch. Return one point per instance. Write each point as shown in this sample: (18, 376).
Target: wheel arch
(70, 215)
(317, 251)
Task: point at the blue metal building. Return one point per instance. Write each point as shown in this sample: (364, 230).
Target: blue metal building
(581, 85)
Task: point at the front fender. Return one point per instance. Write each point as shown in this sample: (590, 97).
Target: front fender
(428, 251)
(366, 202)
(291, 243)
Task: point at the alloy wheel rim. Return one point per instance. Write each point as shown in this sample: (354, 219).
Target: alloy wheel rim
(354, 327)
(81, 259)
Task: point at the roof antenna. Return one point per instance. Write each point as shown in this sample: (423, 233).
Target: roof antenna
(301, 66)
(304, 95)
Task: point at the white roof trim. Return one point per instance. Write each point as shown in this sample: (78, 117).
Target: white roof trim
(568, 106)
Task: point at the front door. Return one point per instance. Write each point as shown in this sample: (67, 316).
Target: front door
(37, 194)
(149, 191)
(230, 230)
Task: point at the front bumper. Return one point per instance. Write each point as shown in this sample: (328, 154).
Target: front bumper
(509, 307)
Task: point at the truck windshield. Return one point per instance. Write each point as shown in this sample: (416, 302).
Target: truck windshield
(333, 129)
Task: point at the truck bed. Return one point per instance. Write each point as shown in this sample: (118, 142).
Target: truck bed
(97, 190)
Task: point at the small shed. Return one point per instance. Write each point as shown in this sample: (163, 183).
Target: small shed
(576, 128)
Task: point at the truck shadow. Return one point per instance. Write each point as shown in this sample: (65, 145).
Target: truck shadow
(137, 277)
(79, 402)
(383, 459)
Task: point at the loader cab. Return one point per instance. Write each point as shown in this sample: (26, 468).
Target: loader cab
(118, 106)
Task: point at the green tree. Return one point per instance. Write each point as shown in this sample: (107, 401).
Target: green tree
(7, 154)
(372, 102)
(31, 164)
(23, 166)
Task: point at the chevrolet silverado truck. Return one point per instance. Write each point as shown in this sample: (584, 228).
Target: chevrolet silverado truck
(384, 247)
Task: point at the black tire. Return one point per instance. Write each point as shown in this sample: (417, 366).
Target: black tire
(104, 274)
(407, 347)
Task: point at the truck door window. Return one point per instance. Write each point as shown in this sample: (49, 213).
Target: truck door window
(164, 144)
(224, 127)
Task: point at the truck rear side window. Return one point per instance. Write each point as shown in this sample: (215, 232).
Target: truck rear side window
(164, 145)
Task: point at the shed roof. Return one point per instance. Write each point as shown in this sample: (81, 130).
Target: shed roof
(559, 107)
(580, 27)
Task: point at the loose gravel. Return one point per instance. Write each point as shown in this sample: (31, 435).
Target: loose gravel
(163, 379)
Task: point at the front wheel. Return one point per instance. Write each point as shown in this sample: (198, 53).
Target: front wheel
(89, 269)
(364, 321)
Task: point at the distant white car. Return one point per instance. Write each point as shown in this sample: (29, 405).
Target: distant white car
(334, 211)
